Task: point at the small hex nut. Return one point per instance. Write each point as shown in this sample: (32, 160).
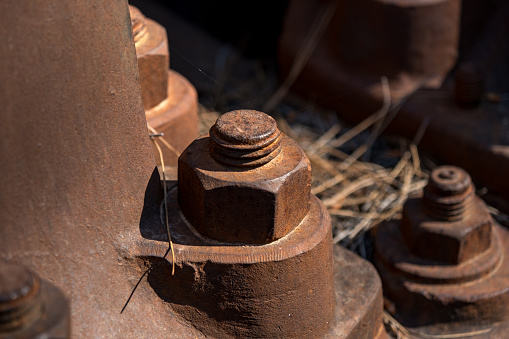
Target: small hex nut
(153, 60)
(244, 205)
(445, 241)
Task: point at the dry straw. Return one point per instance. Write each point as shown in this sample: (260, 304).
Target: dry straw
(161, 158)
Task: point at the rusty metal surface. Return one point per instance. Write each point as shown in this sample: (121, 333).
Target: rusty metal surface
(244, 283)
(445, 265)
(449, 217)
(75, 161)
(247, 183)
(358, 298)
(358, 290)
(170, 101)
(281, 289)
(30, 307)
(464, 128)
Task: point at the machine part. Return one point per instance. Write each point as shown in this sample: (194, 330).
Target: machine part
(153, 58)
(411, 42)
(30, 307)
(170, 101)
(469, 85)
(261, 264)
(445, 267)
(76, 165)
(473, 133)
(280, 188)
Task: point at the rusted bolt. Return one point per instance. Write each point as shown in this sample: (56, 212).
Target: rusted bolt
(153, 58)
(469, 85)
(247, 183)
(454, 220)
(170, 101)
(448, 194)
(445, 266)
(253, 246)
(30, 307)
(20, 297)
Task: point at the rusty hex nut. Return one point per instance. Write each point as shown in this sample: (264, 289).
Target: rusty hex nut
(245, 181)
(153, 58)
(449, 224)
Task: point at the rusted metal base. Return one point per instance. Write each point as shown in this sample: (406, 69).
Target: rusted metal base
(358, 298)
(445, 299)
(226, 290)
(176, 117)
(281, 288)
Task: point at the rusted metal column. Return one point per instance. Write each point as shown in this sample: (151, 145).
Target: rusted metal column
(75, 160)
(30, 307)
(253, 247)
(445, 267)
(170, 101)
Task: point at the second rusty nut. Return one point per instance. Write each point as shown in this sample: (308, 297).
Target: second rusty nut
(449, 217)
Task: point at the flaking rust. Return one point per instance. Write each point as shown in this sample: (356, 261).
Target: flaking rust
(170, 101)
(253, 247)
(445, 265)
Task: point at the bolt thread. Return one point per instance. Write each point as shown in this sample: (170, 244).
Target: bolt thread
(449, 193)
(245, 138)
(20, 297)
(138, 23)
(469, 85)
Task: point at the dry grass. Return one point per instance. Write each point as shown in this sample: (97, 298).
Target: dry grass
(360, 194)
(400, 332)
(155, 137)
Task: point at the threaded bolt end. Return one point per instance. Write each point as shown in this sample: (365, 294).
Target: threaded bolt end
(20, 297)
(449, 193)
(245, 138)
(138, 23)
(469, 85)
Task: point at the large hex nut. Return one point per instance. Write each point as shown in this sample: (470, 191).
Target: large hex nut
(244, 205)
(444, 241)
